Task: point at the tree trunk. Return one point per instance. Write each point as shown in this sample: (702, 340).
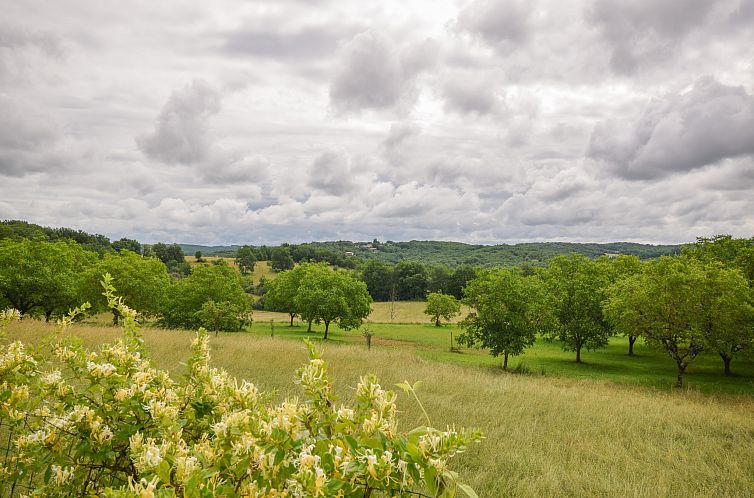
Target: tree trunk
(327, 326)
(437, 321)
(505, 361)
(48, 315)
(578, 354)
(726, 359)
(631, 341)
(292, 315)
(310, 326)
(681, 370)
(115, 317)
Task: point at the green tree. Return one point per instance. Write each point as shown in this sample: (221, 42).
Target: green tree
(727, 313)
(379, 279)
(246, 258)
(48, 276)
(332, 296)
(198, 256)
(682, 306)
(616, 270)
(506, 314)
(280, 258)
(185, 298)
(410, 280)
(441, 306)
(575, 288)
(224, 316)
(281, 292)
(173, 257)
(127, 244)
(141, 282)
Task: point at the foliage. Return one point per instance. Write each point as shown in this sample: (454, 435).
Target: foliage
(223, 316)
(410, 280)
(575, 288)
(127, 245)
(110, 416)
(185, 298)
(332, 296)
(280, 259)
(173, 257)
(379, 279)
(281, 292)
(246, 259)
(142, 282)
(507, 313)
(684, 306)
(198, 256)
(44, 276)
(442, 306)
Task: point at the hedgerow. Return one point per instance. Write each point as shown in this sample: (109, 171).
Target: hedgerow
(109, 423)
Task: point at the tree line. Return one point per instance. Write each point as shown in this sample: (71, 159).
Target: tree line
(687, 305)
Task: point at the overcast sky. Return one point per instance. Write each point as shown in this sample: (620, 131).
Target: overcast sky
(485, 121)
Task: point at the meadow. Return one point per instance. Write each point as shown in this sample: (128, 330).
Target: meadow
(558, 434)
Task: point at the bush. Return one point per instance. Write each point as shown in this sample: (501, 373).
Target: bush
(108, 422)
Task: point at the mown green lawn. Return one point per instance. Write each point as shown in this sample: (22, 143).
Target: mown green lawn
(648, 367)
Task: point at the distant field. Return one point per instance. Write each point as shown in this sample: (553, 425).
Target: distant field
(545, 435)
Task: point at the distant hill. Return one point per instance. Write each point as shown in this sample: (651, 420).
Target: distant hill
(455, 254)
(190, 250)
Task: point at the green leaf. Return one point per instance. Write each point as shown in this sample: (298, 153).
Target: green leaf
(404, 386)
(468, 490)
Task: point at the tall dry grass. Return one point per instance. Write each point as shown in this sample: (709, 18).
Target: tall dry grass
(545, 436)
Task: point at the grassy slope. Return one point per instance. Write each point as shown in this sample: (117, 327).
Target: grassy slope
(546, 436)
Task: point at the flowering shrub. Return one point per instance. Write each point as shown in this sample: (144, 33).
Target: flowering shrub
(108, 422)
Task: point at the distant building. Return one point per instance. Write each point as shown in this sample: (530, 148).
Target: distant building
(349, 253)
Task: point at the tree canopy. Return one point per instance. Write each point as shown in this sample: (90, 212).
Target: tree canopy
(507, 312)
(185, 303)
(441, 306)
(332, 296)
(575, 287)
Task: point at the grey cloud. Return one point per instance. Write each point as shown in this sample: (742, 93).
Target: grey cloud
(683, 132)
(229, 169)
(331, 173)
(181, 133)
(302, 43)
(15, 37)
(502, 24)
(30, 140)
(375, 73)
(645, 31)
(470, 94)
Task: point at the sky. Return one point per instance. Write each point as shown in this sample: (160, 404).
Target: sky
(484, 121)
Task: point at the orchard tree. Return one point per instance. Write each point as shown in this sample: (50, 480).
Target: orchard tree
(281, 292)
(507, 312)
(679, 304)
(332, 296)
(617, 270)
(575, 288)
(141, 282)
(185, 303)
(727, 315)
(198, 256)
(442, 306)
(43, 275)
(246, 258)
(224, 316)
(733, 253)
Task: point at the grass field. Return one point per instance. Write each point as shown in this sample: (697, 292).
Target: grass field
(545, 435)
